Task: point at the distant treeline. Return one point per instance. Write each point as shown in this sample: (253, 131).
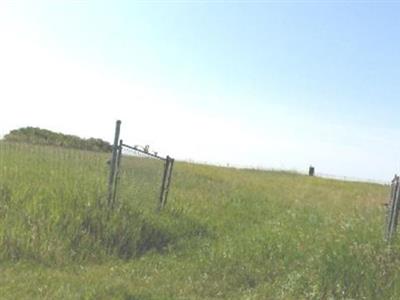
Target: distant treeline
(34, 135)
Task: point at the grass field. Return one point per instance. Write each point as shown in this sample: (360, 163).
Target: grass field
(225, 233)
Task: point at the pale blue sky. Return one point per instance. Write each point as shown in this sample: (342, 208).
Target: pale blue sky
(280, 84)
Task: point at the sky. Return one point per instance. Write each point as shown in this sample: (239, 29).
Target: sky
(263, 84)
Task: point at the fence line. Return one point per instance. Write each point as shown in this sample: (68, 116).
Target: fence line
(295, 171)
(353, 179)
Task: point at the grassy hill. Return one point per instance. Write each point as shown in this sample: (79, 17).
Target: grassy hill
(225, 233)
(38, 136)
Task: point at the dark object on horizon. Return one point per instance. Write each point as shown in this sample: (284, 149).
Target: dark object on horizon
(311, 171)
(38, 136)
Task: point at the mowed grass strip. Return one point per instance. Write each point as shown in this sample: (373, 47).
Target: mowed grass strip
(225, 234)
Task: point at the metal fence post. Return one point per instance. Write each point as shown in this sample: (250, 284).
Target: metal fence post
(113, 163)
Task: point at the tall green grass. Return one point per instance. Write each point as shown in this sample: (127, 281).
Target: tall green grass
(225, 234)
(53, 206)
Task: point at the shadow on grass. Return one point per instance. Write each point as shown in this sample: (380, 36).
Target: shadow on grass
(128, 233)
(119, 292)
(78, 231)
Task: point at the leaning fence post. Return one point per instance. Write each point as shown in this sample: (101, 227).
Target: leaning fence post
(389, 209)
(116, 177)
(171, 165)
(162, 192)
(393, 208)
(113, 163)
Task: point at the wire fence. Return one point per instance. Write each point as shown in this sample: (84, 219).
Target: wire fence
(350, 178)
(40, 169)
(139, 178)
(45, 191)
(55, 201)
(140, 171)
(31, 174)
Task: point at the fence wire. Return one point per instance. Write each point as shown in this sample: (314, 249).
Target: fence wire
(29, 173)
(139, 179)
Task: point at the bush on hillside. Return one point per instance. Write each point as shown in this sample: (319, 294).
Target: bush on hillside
(34, 135)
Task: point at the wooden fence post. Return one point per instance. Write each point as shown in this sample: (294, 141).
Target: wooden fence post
(166, 181)
(162, 192)
(113, 163)
(393, 209)
(116, 178)
(171, 165)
